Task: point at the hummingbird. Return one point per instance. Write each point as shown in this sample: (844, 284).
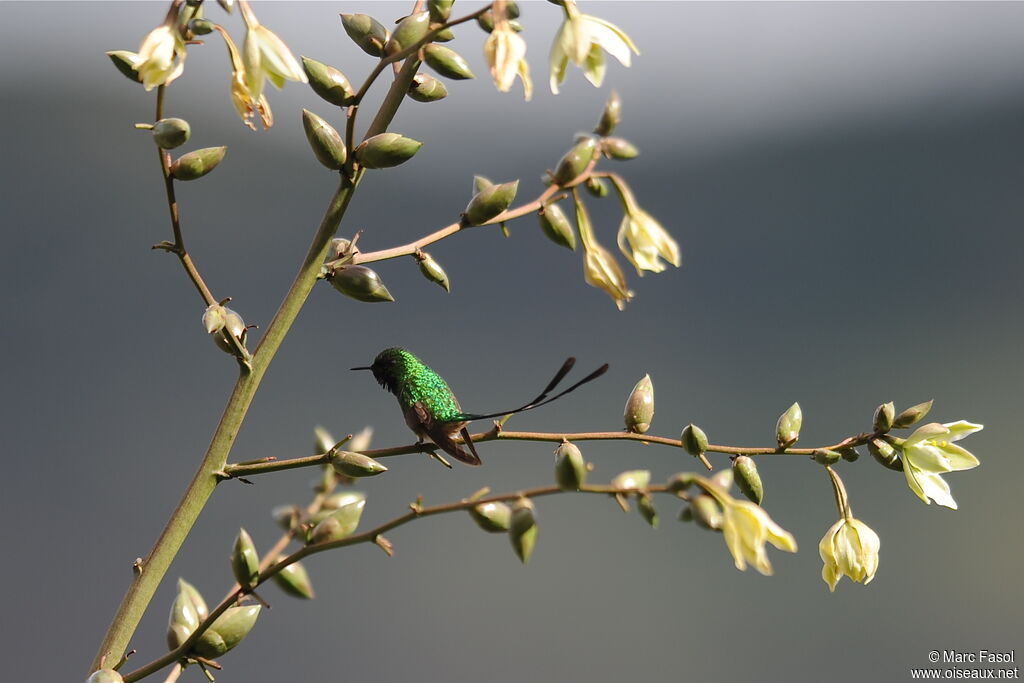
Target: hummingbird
(431, 409)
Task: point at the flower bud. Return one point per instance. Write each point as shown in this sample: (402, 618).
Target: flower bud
(409, 31)
(386, 150)
(426, 88)
(286, 516)
(787, 429)
(294, 580)
(328, 82)
(245, 562)
(201, 26)
(227, 5)
(486, 21)
(575, 161)
(744, 471)
(432, 270)
(645, 505)
(596, 187)
(339, 524)
(570, 468)
(883, 418)
(226, 631)
(481, 183)
(632, 480)
(723, 479)
(356, 464)
(610, 117)
(171, 133)
(849, 454)
(556, 226)
(177, 634)
(826, 456)
(105, 676)
(440, 10)
(125, 62)
(685, 513)
(490, 202)
(681, 481)
(694, 440)
(617, 148)
(328, 147)
(196, 164)
(707, 512)
(323, 441)
(360, 283)
(220, 321)
(886, 454)
(339, 247)
(193, 595)
(368, 33)
(639, 410)
(911, 415)
(340, 500)
(523, 529)
(492, 517)
(187, 611)
(447, 62)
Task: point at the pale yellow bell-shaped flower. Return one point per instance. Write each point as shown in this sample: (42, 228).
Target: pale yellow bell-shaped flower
(747, 528)
(505, 51)
(581, 39)
(161, 57)
(849, 548)
(266, 55)
(644, 241)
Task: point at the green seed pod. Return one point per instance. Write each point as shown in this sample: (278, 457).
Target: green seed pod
(105, 676)
(884, 417)
(886, 454)
(340, 500)
(610, 117)
(632, 480)
(849, 454)
(294, 580)
(196, 164)
(481, 183)
(440, 10)
(192, 594)
(681, 481)
(492, 517)
(226, 631)
(386, 150)
(787, 429)
(523, 530)
(826, 456)
(555, 224)
(125, 63)
(360, 283)
(744, 471)
(426, 88)
(445, 35)
(570, 468)
(356, 464)
(486, 21)
(328, 147)
(368, 33)
(432, 270)
(339, 524)
(597, 187)
(245, 561)
(490, 202)
(639, 410)
(645, 505)
(694, 440)
(328, 82)
(447, 62)
(685, 513)
(201, 26)
(707, 512)
(171, 133)
(911, 415)
(409, 31)
(575, 161)
(286, 516)
(617, 148)
(177, 634)
(183, 613)
(511, 9)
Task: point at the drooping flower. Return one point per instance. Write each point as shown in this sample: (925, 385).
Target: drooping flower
(747, 528)
(849, 548)
(602, 271)
(929, 452)
(266, 55)
(644, 241)
(161, 57)
(505, 51)
(242, 98)
(581, 39)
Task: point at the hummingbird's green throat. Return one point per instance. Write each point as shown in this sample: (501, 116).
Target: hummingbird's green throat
(431, 409)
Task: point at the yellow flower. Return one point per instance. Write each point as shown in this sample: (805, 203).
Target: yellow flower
(581, 39)
(505, 51)
(747, 527)
(266, 55)
(242, 98)
(849, 548)
(648, 242)
(601, 270)
(929, 452)
(161, 56)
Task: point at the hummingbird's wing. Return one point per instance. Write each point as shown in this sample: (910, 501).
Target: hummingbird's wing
(441, 434)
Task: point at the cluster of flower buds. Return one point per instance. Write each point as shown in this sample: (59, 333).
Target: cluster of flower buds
(189, 610)
(489, 201)
(516, 520)
(222, 323)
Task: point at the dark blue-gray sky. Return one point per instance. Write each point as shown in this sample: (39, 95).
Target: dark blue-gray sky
(845, 184)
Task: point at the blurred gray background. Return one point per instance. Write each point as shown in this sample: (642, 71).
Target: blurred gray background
(845, 184)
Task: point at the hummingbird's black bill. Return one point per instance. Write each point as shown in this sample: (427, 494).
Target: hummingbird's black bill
(365, 367)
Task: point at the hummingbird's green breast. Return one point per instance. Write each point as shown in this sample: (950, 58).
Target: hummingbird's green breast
(412, 381)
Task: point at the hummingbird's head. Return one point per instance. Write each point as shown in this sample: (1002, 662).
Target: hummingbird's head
(389, 367)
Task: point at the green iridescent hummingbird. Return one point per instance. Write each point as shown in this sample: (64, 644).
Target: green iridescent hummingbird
(430, 408)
